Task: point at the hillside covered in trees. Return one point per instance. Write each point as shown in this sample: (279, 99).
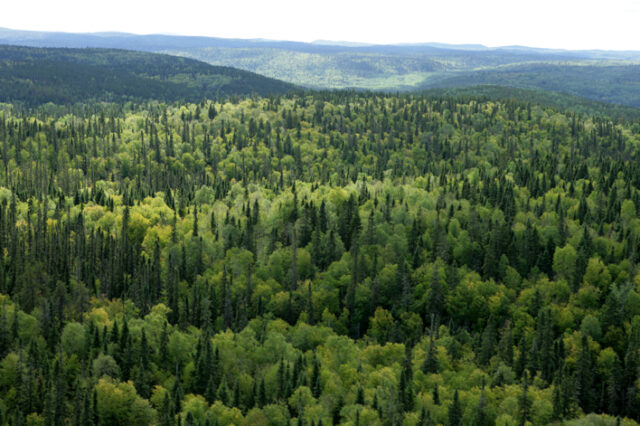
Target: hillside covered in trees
(34, 76)
(599, 75)
(332, 258)
(612, 83)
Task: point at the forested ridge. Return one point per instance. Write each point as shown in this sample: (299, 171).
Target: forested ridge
(34, 76)
(608, 83)
(598, 75)
(545, 98)
(328, 258)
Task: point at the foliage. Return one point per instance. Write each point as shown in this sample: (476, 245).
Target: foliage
(336, 257)
(604, 76)
(36, 76)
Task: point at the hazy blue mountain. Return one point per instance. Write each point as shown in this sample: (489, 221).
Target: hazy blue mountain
(340, 43)
(170, 42)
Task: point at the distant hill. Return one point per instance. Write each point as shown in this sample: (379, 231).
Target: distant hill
(603, 83)
(604, 76)
(39, 75)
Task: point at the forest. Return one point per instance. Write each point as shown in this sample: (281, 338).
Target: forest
(545, 98)
(34, 76)
(598, 75)
(318, 259)
(609, 82)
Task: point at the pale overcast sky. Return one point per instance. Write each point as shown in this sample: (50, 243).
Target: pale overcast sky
(569, 24)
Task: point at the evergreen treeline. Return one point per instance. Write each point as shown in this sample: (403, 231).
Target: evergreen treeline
(335, 258)
(547, 98)
(34, 76)
(601, 82)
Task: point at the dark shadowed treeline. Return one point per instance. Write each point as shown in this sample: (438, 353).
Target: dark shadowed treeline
(34, 76)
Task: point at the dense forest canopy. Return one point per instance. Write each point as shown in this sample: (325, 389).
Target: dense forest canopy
(330, 258)
(613, 83)
(35, 76)
(546, 98)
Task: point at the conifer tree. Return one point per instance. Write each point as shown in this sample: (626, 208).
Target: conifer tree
(481, 417)
(455, 411)
(524, 402)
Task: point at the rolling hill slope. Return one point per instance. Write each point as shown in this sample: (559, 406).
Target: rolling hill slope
(39, 75)
(559, 101)
(605, 76)
(604, 83)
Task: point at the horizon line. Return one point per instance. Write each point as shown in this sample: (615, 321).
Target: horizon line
(327, 42)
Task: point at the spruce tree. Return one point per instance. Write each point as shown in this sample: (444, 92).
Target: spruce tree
(481, 418)
(455, 411)
(584, 377)
(436, 395)
(405, 389)
(524, 402)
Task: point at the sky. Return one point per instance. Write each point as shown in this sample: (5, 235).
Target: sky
(566, 24)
